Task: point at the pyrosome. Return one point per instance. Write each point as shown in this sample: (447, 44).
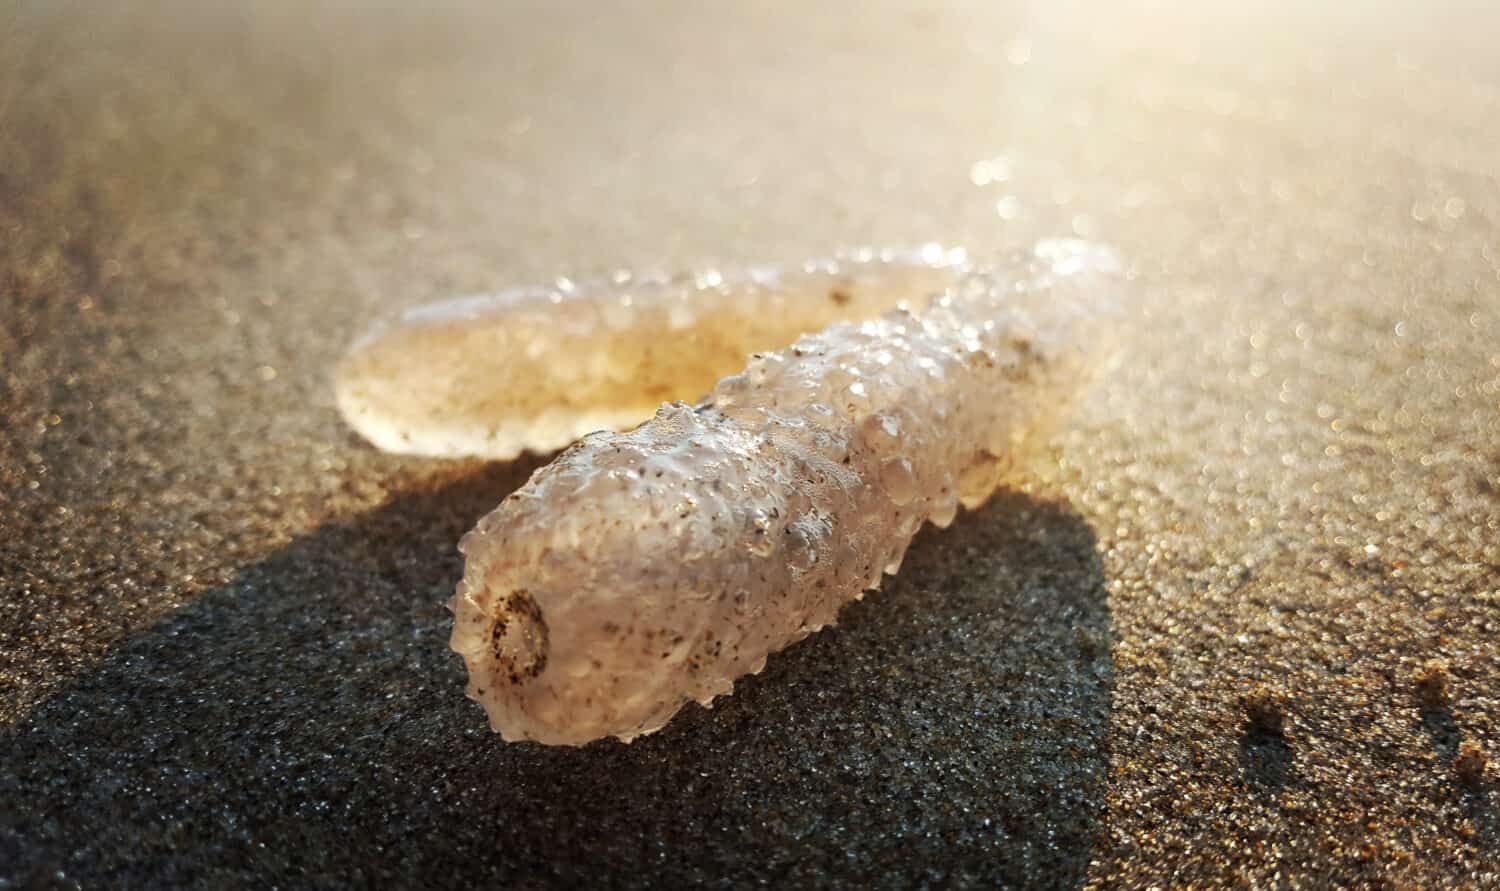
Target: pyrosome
(641, 570)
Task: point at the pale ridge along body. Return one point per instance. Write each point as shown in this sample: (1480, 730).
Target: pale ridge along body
(642, 570)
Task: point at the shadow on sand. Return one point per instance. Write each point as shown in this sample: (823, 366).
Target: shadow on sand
(305, 725)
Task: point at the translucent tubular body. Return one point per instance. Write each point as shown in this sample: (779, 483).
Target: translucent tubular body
(642, 570)
(535, 368)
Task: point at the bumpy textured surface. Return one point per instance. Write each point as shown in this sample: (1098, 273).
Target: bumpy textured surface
(223, 629)
(644, 570)
(536, 368)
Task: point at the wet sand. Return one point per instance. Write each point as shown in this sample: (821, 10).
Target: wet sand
(1240, 629)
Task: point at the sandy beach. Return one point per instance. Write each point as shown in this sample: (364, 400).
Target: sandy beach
(1240, 626)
